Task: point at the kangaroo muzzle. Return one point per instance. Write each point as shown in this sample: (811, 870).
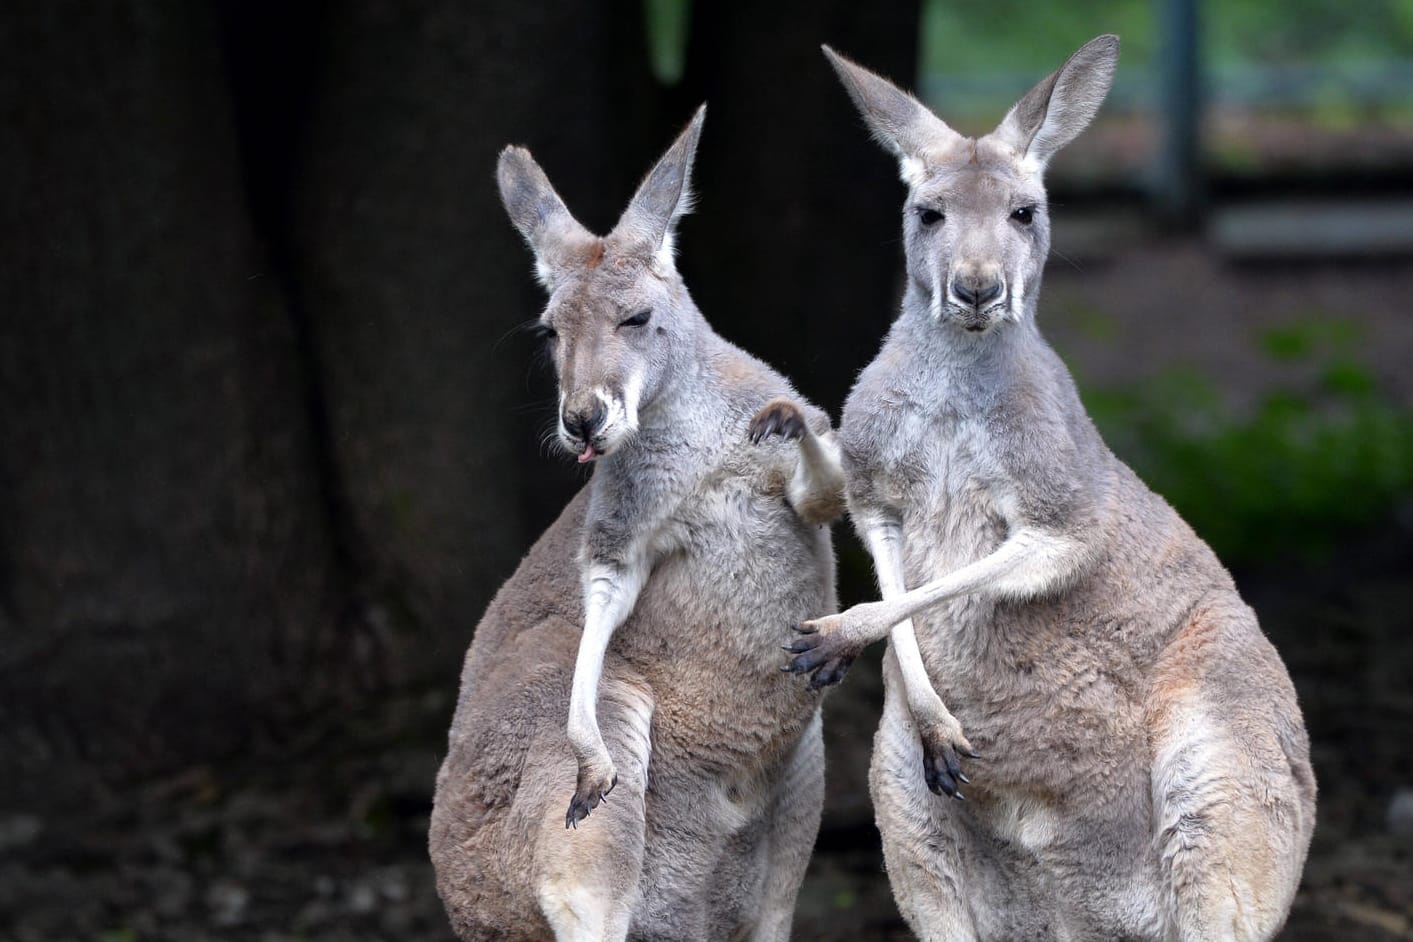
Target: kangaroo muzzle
(975, 290)
(584, 422)
(594, 422)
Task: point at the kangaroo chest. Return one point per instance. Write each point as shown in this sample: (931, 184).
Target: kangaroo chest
(1006, 669)
(736, 570)
(943, 471)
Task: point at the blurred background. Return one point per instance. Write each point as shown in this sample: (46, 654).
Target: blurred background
(270, 432)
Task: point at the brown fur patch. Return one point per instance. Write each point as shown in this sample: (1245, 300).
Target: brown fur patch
(1178, 677)
(822, 510)
(737, 371)
(594, 256)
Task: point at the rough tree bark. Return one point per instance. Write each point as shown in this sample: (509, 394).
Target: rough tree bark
(413, 283)
(799, 212)
(165, 575)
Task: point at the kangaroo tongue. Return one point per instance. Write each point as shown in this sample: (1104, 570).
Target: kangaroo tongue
(587, 454)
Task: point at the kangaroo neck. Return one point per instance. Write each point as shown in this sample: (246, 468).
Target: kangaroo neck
(990, 361)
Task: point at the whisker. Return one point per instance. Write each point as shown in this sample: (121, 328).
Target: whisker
(1072, 263)
(518, 328)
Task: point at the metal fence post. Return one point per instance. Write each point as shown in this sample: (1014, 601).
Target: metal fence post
(1177, 184)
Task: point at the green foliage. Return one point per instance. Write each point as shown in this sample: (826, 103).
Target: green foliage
(1306, 338)
(1335, 32)
(667, 37)
(1028, 38)
(1014, 42)
(1284, 480)
(1022, 36)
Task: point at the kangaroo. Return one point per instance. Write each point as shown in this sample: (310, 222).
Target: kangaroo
(647, 614)
(1147, 770)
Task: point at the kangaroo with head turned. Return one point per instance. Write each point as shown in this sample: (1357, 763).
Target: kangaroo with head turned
(649, 614)
(1146, 770)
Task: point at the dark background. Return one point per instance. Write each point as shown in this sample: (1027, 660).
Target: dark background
(270, 437)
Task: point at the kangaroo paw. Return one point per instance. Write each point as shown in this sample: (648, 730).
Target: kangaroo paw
(777, 417)
(593, 788)
(943, 748)
(824, 654)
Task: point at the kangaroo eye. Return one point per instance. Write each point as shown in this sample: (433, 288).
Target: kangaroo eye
(543, 331)
(1025, 215)
(637, 320)
(930, 217)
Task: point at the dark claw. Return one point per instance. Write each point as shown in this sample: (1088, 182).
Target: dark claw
(778, 418)
(800, 646)
(831, 674)
(582, 804)
(941, 786)
(805, 628)
(808, 661)
(942, 768)
(579, 809)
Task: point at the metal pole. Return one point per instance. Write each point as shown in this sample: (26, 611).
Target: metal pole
(1178, 175)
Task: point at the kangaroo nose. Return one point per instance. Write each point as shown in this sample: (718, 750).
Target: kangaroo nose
(976, 292)
(583, 424)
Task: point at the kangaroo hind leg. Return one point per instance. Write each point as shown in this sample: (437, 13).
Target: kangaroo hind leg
(588, 880)
(1233, 794)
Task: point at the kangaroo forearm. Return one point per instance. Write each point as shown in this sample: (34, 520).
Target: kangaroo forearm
(885, 544)
(609, 595)
(817, 489)
(1028, 564)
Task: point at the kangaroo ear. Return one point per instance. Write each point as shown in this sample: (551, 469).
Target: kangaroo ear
(899, 122)
(1054, 112)
(649, 223)
(538, 212)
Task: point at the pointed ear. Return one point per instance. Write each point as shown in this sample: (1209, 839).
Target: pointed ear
(538, 212)
(899, 122)
(1054, 112)
(665, 195)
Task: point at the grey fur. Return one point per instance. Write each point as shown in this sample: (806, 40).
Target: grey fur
(1146, 770)
(650, 615)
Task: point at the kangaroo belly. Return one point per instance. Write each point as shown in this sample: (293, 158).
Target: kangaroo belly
(707, 631)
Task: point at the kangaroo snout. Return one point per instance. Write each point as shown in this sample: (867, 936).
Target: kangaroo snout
(584, 419)
(977, 285)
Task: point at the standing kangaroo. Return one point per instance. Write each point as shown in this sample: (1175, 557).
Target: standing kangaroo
(1147, 770)
(647, 614)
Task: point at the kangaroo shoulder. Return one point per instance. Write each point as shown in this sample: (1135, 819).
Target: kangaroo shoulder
(748, 383)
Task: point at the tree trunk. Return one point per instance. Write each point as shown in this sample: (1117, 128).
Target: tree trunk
(414, 284)
(796, 253)
(165, 573)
